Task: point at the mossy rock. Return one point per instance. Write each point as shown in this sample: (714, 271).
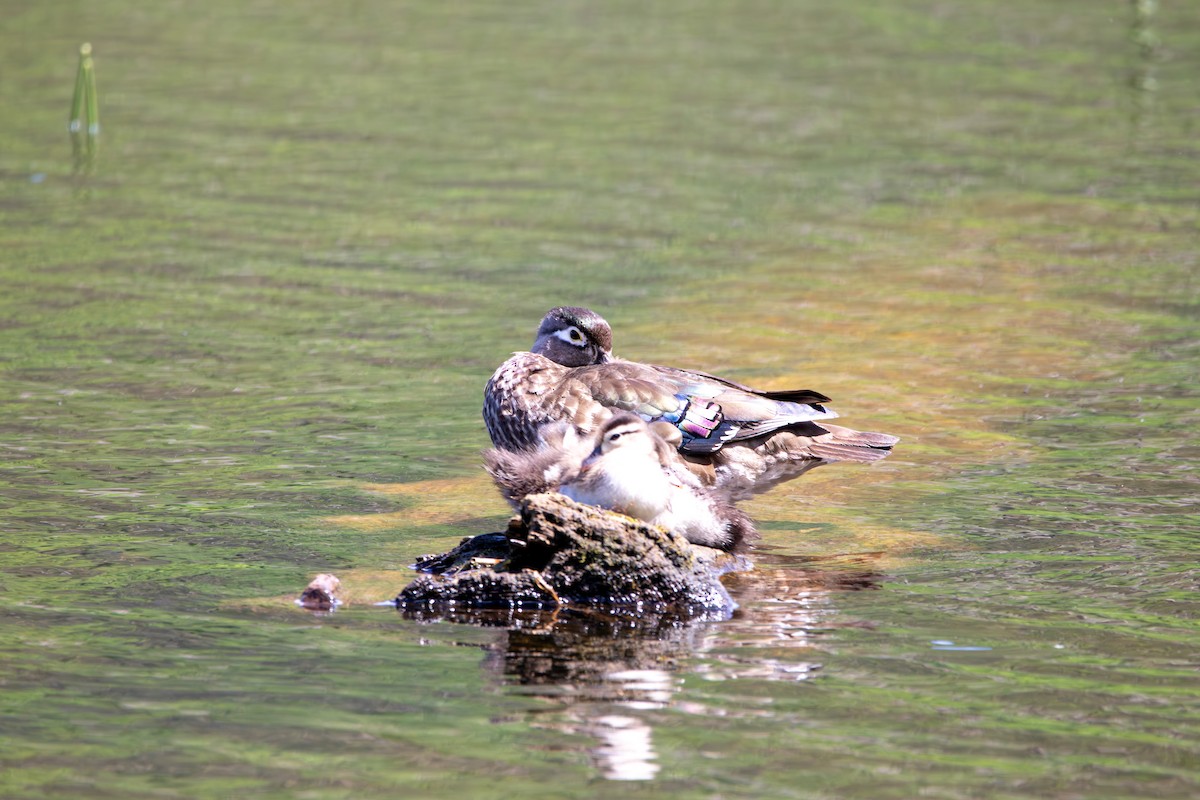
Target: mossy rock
(559, 553)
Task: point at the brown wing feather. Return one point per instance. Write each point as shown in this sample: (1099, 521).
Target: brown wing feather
(628, 386)
(651, 390)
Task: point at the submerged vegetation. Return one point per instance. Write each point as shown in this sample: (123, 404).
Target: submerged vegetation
(84, 124)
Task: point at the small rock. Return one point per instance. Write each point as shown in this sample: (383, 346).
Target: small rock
(321, 594)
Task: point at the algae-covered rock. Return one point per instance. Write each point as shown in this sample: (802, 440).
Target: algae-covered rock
(562, 553)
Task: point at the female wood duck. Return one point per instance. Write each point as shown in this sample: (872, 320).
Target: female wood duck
(739, 439)
(628, 468)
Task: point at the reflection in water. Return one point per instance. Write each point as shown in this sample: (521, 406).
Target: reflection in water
(787, 603)
(603, 670)
(625, 752)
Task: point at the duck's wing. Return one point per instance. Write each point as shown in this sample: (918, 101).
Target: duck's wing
(640, 389)
(757, 410)
(709, 411)
(786, 395)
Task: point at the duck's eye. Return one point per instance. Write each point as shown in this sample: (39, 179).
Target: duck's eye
(572, 336)
(612, 437)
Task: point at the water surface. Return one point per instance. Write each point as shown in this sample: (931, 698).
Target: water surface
(247, 344)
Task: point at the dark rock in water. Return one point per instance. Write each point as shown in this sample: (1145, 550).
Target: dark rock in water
(471, 552)
(560, 553)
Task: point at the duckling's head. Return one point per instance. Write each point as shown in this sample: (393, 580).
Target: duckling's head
(627, 434)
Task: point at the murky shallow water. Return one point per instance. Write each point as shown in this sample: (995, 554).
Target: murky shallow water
(249, 346)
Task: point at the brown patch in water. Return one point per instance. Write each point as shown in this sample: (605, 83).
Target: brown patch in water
(433, 502)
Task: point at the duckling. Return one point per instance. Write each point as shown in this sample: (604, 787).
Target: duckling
(626, 467)
(557, 455)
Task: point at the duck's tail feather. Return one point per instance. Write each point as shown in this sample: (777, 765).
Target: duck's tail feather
(805, 396)
(845, 444)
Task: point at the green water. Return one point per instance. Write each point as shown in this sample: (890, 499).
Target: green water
(247, 344)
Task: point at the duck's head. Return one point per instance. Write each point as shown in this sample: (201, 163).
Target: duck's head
(574, 337)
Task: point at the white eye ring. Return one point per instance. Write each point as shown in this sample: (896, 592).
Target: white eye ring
(572, 336)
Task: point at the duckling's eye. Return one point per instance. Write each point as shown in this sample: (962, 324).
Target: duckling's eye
(612, 437)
